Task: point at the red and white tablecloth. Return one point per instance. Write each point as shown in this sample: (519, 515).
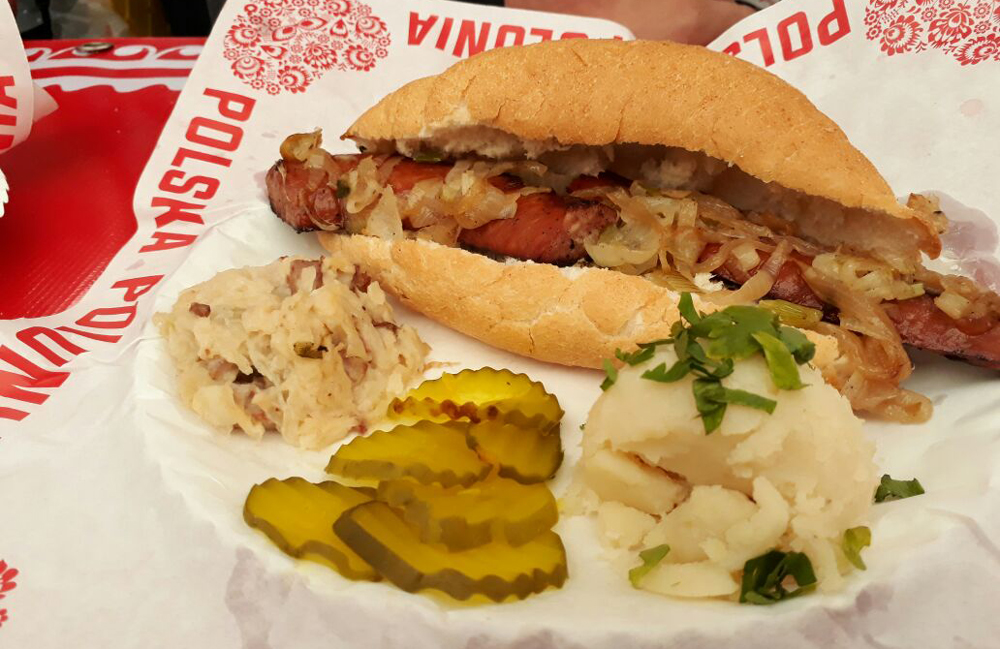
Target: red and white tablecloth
(115, 527)
(66, 226)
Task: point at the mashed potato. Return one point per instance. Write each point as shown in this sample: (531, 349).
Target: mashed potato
(307, 348)
(793, 480)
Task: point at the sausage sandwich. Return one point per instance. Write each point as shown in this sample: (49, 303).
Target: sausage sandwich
(554, 200)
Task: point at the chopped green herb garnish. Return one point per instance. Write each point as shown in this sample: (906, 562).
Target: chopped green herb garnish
(855, 540)
(780, 361)
(731, 331)
(890, 489)
(764, 577)
(708, 347)
(735, 333)
(686, 307)
(657, 343)
(661, 374)
(711, 400)
(612, 375)
(343, 189)
(429, 156)
(694, 351)
(682, 343)
(708, 400)
(801, 347)
(641, 355)
(651, 558)
(749, 399)
(714, 369)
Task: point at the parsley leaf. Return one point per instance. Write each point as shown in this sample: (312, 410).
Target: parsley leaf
(686, 307)
(681, 342)
(749, 399)
(713, 325)
(612, 375)
(657, 343)
(661, 374)
(641, 355)
(343, 189)
(855, 540)
(709, 400)
(764, 577)
(712, 418)
(736, 341)
(780, 361)
(890, 489)
(710, 369)
(801, 347)
(650, 557)
(696, 352)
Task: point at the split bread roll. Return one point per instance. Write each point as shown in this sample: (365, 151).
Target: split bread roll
(571, 316)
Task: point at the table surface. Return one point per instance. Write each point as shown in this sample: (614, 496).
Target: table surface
(76, 173)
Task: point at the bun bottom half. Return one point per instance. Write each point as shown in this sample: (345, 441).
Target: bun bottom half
(570, 316)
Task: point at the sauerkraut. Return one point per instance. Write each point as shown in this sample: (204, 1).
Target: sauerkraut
(794, 480)
(306, 348)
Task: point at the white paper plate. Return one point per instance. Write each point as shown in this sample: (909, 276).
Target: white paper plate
(930, 560)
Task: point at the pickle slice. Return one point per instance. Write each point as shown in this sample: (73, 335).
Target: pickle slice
(496, 570)
(298, 517)
(495, 509)
(481, 395)
(528, 455)
(425, 451)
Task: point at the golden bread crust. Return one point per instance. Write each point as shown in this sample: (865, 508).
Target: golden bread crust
(600, 92)
(576, 317)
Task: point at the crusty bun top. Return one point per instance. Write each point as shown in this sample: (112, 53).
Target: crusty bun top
(525, 101)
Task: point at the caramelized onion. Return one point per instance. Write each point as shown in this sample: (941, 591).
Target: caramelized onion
(469, 198)
(762, 281)
(746, 256)
(778, 258)
(385, 168)
(857, 312)
(867, 276)
(879, 397)
(384, 221)
(712, 263)
(633, 210)
(863, 378)
(754, 289)
(629, 243)
(299, 146)
(905, 406)
(481, 204)
(421, 206)
(365, 186)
